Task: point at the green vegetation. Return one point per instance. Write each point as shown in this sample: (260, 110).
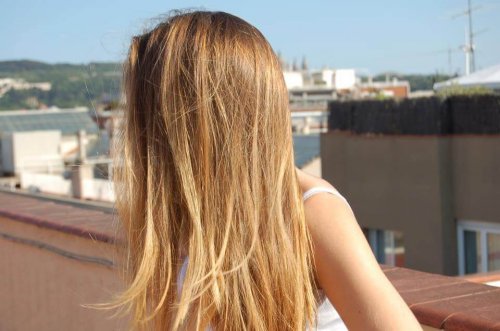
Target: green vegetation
(91, 85)
(457, 90)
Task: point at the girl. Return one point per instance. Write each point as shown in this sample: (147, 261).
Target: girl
(222, 231)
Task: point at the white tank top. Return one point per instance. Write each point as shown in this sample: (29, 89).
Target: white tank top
(327, 317)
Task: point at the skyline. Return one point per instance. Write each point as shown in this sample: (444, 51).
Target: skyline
(367, 36)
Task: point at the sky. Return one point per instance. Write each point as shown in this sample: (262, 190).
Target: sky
(367, 35)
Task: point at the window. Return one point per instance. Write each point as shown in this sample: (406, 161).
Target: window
(387, 246)
(478, 247)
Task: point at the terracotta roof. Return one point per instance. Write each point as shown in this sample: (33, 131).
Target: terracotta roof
(483, 277)
(448, 303)
(59, 215)
(442, 302)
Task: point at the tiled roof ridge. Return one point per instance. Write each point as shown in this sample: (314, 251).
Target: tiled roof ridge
(446, 302)
(91, 224)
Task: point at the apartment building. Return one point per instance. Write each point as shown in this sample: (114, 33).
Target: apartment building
(423, 178)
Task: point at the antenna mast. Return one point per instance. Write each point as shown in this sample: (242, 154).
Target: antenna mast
(469, 47)
(472, 62)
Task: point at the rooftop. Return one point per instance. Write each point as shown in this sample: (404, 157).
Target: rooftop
(439, 302)
(487, 77)
(80, 218)
(68, 121)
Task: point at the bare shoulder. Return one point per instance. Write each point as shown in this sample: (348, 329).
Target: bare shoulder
(320, 203)
(308, 181)
(346, 268)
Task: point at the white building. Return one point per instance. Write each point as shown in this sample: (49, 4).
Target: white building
(7, 84)
(36, 144)
(293, 79)
(31, 151)
(344, 79)
(68, 121)
(339, 79)
(323, 77)
(313, 90)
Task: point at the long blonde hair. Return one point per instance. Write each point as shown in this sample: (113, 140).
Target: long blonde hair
(205, 169)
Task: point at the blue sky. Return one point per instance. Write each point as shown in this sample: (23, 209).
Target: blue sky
(372, 36)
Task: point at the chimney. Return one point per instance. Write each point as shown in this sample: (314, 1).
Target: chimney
(81, 171)
(82, 141)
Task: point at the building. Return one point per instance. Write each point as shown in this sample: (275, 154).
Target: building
(57, 151)
(293, 79)
(311, 97)
(423, 178)
(67, 121)
(312, 90)
(31, 151)
(7, 84)
(391, 88)
(339, 79)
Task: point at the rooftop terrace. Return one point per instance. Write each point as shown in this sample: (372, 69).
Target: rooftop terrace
(59, 254)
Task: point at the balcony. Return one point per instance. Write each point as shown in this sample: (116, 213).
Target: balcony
(57, 255)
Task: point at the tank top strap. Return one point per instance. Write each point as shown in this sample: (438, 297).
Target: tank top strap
(318, 189)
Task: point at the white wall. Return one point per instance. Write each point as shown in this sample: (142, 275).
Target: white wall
(323, 77)
(54, 184)
(32, 151)
(293, 79)
(93, 189)
(344, 79)
(98, 189)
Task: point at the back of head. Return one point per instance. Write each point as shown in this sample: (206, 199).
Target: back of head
(205, 169)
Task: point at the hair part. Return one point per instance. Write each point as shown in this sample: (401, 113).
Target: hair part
(205, 169)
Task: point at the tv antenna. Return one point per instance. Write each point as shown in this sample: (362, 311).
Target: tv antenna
(469, 47)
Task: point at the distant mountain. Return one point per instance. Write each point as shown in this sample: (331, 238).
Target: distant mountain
(91, 85)
(16, 66)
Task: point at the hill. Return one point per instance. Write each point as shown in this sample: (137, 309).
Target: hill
(90, 85)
